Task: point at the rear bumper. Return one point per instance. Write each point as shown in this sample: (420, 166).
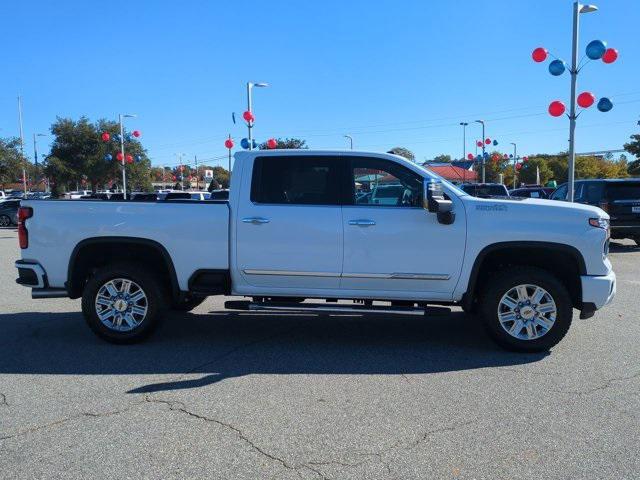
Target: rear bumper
(598, 290)
(31, 274)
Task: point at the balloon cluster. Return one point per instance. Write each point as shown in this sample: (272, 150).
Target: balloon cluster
(595, 50)
(481, 143)
(106, 137)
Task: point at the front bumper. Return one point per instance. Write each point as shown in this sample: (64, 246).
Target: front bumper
(598, 290)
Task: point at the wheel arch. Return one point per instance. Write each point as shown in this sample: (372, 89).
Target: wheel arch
(563, 260)
(98, 251)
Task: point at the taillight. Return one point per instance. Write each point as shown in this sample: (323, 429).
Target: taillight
(23, 234)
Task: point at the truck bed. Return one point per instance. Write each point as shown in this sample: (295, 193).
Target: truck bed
(194, 233)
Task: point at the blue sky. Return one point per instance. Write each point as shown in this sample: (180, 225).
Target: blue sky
(401, 73)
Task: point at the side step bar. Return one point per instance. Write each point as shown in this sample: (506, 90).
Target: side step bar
(320, 308)
(49, 293)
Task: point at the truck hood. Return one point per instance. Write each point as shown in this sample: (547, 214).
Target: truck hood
(537, 205)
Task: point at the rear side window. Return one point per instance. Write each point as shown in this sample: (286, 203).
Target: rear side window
(623, 191)
(296, 180)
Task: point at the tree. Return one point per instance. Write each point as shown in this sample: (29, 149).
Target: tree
(11, 161)
(78, 156)
(286, 144)
(403, 152)
(633, 147)
(221, 178)
(442, 158)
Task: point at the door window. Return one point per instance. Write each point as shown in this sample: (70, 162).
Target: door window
(296, 180)
(378, 182)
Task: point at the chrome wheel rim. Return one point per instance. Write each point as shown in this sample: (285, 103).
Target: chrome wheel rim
(121, 305)
(4, 221)
(527, 312)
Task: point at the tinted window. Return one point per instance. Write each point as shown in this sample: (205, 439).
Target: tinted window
(623, 191)
(560, 193)
(592, 192)
(299, 180)
(486, 190)
(383, 183)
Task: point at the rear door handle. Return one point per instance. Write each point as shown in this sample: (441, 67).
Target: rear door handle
(362, 222)
(255, 220)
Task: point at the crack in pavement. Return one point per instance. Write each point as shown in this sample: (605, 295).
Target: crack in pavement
(62, 421)
(608, 383)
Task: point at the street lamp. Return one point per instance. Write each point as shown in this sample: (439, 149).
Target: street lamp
(482, 123)
(350, 140)
(577, 10)
(250, 86)
(515, 160)
(464, 139)
(124, 170)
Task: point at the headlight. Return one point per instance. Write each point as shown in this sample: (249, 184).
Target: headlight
(599, 223)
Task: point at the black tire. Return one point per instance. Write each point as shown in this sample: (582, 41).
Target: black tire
(5, 221)
(188, 303)
(154, 302)
(502, 282)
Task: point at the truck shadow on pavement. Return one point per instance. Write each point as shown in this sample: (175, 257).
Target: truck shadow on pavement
(202, 349)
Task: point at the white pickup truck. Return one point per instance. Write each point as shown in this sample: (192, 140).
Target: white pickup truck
(324, 231)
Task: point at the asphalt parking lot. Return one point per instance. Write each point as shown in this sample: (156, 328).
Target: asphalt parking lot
(217, 394)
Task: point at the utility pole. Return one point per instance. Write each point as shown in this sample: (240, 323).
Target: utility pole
(195, 157)
(24, 171)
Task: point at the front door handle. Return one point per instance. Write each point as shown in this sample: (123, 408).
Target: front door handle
(362, 222)
(255, 220)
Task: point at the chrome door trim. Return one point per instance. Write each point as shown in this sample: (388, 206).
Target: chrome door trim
(292, 273)
(399, 276)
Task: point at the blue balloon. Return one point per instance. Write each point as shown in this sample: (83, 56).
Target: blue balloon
(485, 154)
(495, 142)
(604, 104)
(556, 68)
(511, 155)
(479, 158)
(138, 158)
(244, 143)
(115, 137)
(108, 157)
(127, 138)
(595, 49)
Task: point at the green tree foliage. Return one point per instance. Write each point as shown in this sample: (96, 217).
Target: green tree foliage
(633, 147)
(11, 161)
(78, 156)
(286, 144)
(442, 158)
(403, 152)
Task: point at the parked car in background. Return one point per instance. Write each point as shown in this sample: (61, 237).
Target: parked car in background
(200, 195)
(9, 212)
(77, 194)
(532, 192)
(619, 197)
(222, 194)
(485, 190)
(174, 195)
(144, 197)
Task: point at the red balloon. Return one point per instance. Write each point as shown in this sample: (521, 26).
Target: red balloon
(518, 166)
(479, 143)
(271, 143)
(129, 158)
(136, 133)
(610, 55)
(119, 156)
(106, 137)
(539, 54)
(556, 108)
(228, 143)
(505, 156)
(526, 159)
(248, 116)
(586, 99)
(470, 156)
(487, 141)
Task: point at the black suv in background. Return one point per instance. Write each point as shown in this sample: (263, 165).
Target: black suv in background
(619, 197)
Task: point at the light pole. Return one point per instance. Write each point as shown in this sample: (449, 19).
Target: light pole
(181, 168)
(577, 10)
(350, 140)
(482, 123)
(35, 153)
(464, 139)
(124, 170)
(515, 160)
(250, 86)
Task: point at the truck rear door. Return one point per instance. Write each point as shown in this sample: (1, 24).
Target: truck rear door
(289, 223)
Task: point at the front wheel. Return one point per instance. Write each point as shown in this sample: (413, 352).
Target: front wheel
(526, 309)
(122, 303)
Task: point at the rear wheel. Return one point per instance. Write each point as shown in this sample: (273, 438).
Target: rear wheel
(5, 221)
(122, 303)
(526, 309)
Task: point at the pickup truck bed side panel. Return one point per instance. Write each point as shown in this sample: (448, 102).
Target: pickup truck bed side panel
(194, 234)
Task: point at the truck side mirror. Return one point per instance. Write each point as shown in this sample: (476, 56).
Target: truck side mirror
(434, 201)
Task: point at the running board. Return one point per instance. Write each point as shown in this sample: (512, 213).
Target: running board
(321, 308)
